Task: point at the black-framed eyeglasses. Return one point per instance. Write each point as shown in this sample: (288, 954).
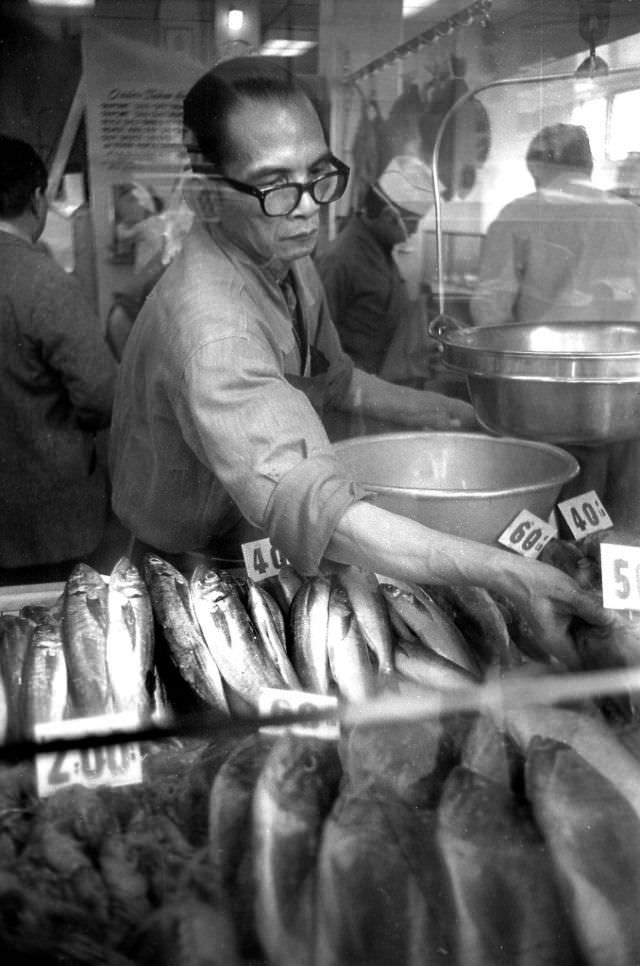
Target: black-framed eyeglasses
(285, 198)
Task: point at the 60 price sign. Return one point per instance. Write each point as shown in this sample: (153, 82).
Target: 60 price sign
(620, 576)
(262, 559)
(527, 534)
(276, 701)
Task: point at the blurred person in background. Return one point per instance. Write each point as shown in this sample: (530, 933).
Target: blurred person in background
(568, 252)
(366, 293)
(56, 390)
(216, 419)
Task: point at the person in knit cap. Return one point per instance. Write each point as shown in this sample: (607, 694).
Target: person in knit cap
(365, 290)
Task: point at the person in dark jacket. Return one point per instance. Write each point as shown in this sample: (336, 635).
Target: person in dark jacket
(57, 381)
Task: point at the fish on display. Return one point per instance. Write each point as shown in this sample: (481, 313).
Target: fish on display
(422, 664)
(431, 626)
(349, 655)
(594, 841)
(269, 623)
(15, 637)
(371, 612)
(283, 586)
(230, 635)
(480, 621)
(84, 629)
(309, 622)
(507, 910)
(229, 833)
(129, 643)
(44, 693)
(173, 609)
(292, 798)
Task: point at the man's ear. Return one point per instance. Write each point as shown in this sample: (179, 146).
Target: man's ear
(37, 201)
(202, 196)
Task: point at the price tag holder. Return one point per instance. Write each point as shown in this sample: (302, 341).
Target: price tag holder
(585, 514)
(274, 701)
(262, 559)
(527, 534)
(620, 576)
(92, 767)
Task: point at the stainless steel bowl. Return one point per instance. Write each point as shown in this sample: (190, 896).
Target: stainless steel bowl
(467, 484)
(566, 382)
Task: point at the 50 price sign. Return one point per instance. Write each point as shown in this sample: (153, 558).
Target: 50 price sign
(95, 766)
(262, 559)
(527, 534)
(585, 514)
(620, 576)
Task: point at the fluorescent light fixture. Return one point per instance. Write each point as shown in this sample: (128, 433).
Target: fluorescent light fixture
(286, 47)
(64, 4)
(411, 7)
(235, 19)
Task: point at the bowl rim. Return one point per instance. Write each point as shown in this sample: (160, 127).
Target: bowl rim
(571, 465)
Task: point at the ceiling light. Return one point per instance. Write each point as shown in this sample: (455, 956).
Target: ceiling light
(64, 4)
(235, 19)
(286, 47)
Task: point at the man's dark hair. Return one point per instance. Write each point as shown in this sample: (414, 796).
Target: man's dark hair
(213, 98)
(566, 145)
(22, 170)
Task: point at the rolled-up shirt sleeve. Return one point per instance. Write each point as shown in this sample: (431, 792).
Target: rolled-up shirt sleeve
(266, 445)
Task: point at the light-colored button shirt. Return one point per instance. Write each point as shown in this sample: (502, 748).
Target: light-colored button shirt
(568, 252)
(206, 424)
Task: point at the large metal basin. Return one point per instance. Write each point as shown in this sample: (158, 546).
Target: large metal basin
(468, 484)
(567, 382)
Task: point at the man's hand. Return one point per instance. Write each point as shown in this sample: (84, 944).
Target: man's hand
(446, 413)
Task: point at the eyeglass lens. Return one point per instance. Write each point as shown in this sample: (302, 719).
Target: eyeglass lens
(282, 201)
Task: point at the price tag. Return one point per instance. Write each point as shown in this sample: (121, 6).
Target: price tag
(527, 534)
(585, 514)
(620, 576)
(261, 559)
(109, 765)
(274, 701)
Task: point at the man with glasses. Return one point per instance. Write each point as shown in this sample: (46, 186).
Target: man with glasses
(215, 419)
(366, 292)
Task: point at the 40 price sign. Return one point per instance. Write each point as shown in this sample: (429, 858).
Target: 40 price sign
(585, 514)
(262, 559)
(527, 534)
(99, 765)
(620, 576)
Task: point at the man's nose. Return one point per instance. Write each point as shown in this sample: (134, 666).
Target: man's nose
(307, 205)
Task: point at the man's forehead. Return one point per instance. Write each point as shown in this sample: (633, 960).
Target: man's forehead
(274, 134)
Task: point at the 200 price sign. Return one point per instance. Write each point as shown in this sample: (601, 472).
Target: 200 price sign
(115, 765)
(620, 576)
(276, 701)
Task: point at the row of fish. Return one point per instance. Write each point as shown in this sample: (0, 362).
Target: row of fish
(89, 653)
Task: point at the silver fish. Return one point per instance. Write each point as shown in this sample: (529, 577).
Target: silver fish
(174, 612)
(349, 656)
(428, 622)
(425, 666)
(130, 642)
(84, 630)
(15, 638)
(371, 612)
(44, 691)
(309, 622)
(264, 613)
(230, 635)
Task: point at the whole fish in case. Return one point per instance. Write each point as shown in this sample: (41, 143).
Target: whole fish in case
(130, 642)
(309, 622)
(84, 627)
(173, 609)
(44, 693)
(230, 635)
